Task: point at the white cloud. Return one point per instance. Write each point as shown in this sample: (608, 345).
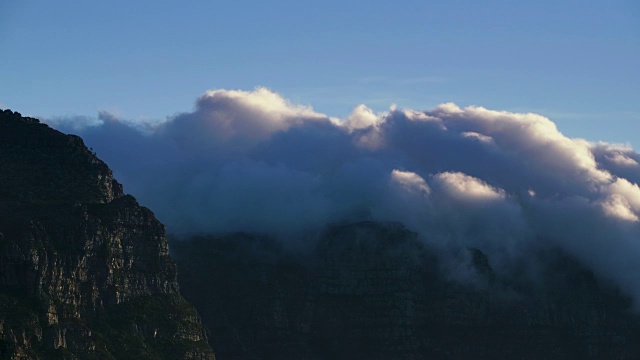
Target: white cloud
(257, 114)
(627, 190)
(618, 154)
(528, 136)
(621, 159)
(462, 186)
(420, 116)
(478, 137)
(361, 118)
(499, 181)
(617, 206)
(410, 181)
(364, 122)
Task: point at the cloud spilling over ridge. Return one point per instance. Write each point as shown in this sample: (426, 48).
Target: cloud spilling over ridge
(499, 181)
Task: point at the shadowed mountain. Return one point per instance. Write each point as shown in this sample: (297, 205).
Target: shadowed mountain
(85, 271)
(373, 290)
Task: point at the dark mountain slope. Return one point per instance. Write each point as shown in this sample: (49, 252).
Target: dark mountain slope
(85, 271)
(374, 291)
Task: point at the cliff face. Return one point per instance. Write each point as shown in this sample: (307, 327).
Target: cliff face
(374, 291)
(85, 271)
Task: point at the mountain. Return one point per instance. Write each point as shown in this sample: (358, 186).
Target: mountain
(373, 290)
(85, 271)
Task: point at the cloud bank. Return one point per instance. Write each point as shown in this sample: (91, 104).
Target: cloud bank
(498, 181)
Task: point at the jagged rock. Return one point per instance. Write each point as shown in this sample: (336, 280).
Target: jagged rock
(85, 271)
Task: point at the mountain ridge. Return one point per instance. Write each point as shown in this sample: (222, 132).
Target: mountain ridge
(378, 291)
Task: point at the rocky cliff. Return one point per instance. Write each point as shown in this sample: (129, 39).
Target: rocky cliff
(375, 291)
(85, 271)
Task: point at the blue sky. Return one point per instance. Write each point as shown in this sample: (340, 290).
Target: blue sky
(573, 61)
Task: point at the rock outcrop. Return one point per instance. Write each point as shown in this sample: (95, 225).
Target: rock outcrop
(373, 290)
(85, 271)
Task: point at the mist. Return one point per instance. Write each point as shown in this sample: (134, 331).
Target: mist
(498, 181)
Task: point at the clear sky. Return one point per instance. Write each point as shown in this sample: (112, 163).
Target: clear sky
(576, 62)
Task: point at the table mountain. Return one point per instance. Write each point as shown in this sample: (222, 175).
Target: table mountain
(373, 290)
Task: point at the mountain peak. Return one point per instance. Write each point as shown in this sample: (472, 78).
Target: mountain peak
(42, 165)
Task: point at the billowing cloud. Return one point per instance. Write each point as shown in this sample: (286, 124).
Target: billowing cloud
(618, 206)
(252, 114)
(462, 177)
(236, 118)
(361, 118)
(467, 187)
